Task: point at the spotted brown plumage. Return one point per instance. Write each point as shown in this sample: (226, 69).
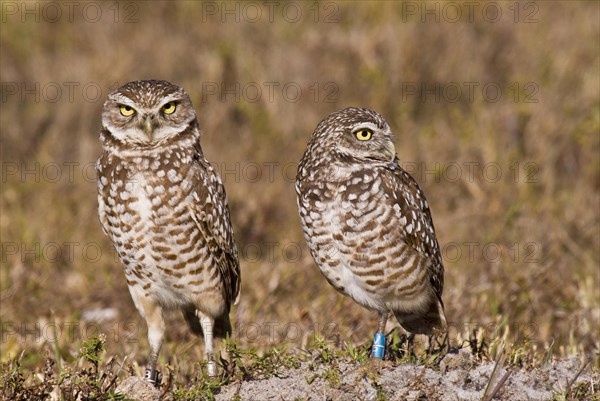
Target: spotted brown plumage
(367, 222)
(165, 210)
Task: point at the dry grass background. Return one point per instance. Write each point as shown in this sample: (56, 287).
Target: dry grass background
(541, 214)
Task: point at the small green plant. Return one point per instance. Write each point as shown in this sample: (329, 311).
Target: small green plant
(91, 350)
(248, 364)
(14, 382)
(95, 382)
(400, 348)
(333, 376)
(357, 354)
(380, 395)
(199, 390)
(325, 351)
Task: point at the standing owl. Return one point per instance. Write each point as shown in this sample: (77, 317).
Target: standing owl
(367, 223)
(165, 210)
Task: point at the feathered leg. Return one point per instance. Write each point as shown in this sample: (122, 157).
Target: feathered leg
(208, 324)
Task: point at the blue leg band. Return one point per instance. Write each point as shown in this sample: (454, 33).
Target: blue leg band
(378, 350)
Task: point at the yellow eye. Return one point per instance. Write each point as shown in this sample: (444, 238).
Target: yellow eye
(169, 108)
(127, 110)
(364, 134)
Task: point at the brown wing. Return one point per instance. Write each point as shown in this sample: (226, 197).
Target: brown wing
(211, 214)
(418, 231)
(102, 183)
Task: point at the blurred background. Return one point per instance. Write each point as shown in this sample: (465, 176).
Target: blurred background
(496, 113)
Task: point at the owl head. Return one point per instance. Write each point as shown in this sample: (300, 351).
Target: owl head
(356, 134)
(146, 113)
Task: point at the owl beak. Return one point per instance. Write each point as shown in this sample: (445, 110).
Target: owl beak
(390, 150)
(148, 127)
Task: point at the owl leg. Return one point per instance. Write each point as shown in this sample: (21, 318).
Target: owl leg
(156, 332)
(383, 317)
(152, 313)
(208, 325)
(378, 349)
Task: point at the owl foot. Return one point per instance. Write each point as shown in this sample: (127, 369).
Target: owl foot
(153, 377)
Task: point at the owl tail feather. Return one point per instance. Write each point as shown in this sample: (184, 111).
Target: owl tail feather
(434, 319)
(222, 323)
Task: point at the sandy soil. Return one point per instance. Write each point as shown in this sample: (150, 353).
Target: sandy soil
(460, 377)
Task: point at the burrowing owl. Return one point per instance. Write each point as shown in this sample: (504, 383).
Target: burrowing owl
(165, 210)
(367, 222)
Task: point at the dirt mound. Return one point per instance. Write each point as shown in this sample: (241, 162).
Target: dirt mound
(459, 378)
